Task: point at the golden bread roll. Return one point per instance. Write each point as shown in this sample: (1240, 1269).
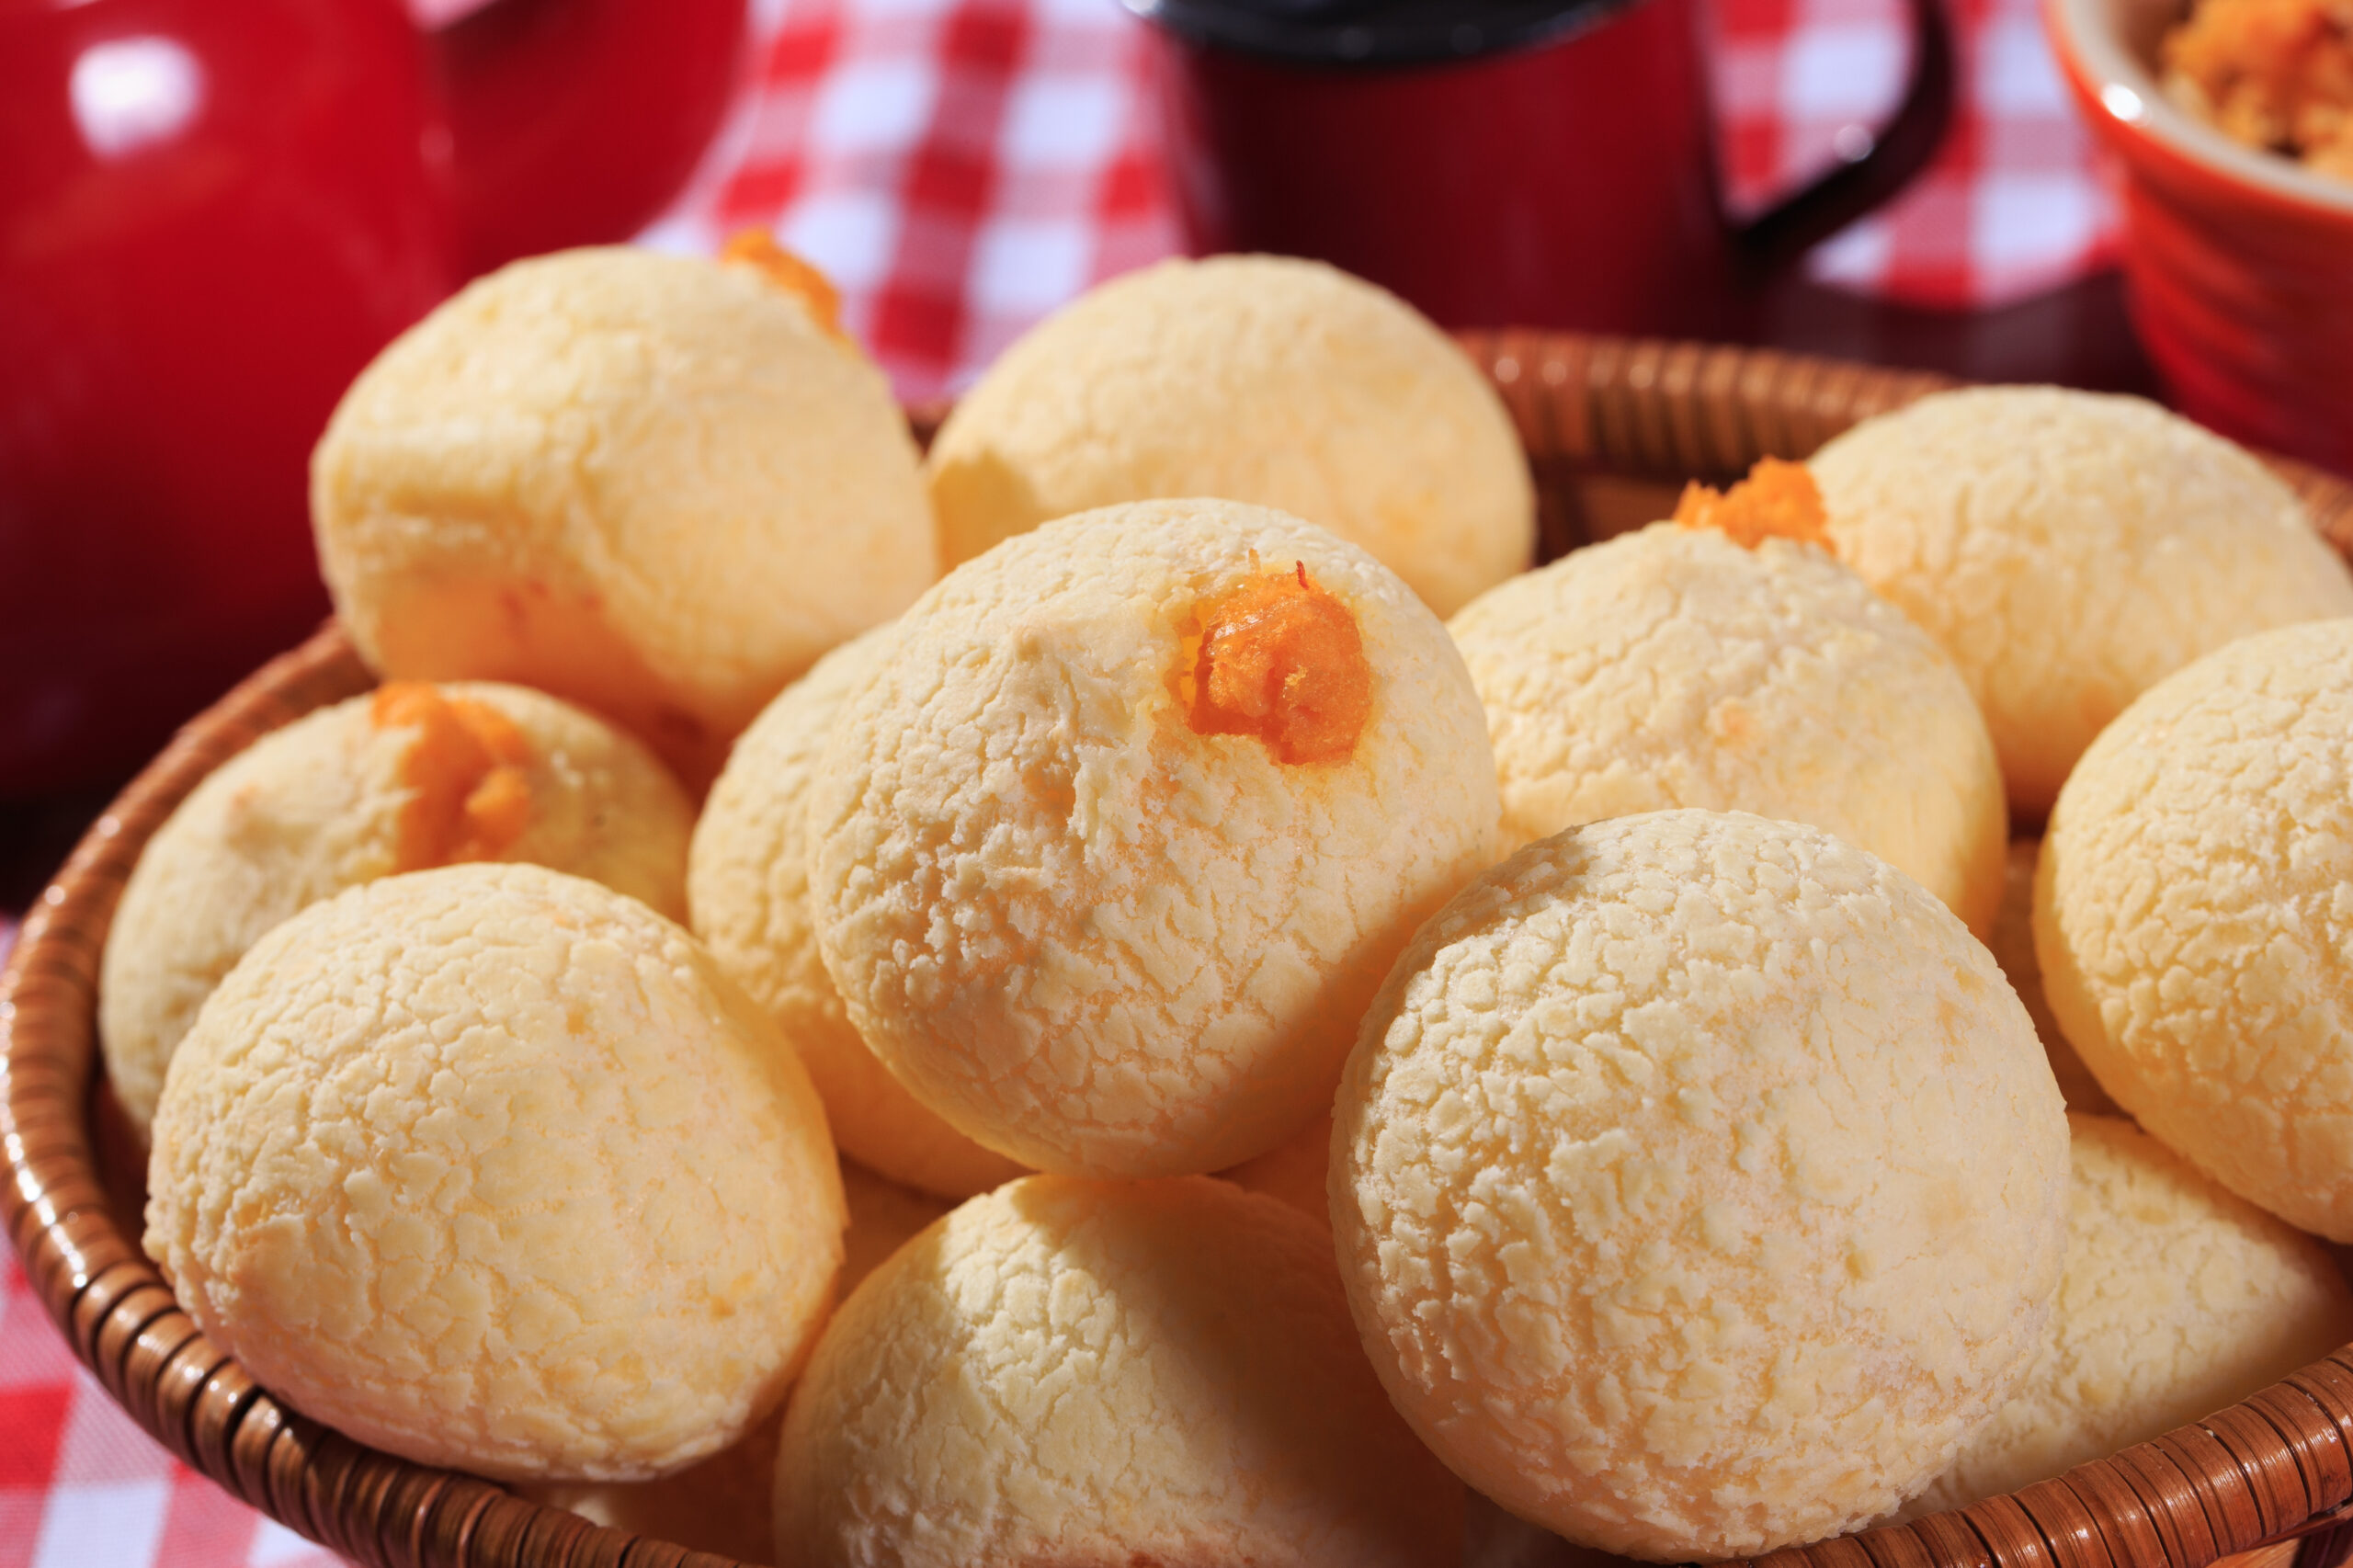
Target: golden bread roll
(2069, 549)
(1110, 854)
(1095, 1372)
(654, 485)
(2193, 913)
(493, 1168)
(1264, 379)
(1699, 1185)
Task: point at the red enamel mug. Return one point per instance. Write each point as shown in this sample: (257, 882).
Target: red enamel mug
(1499, 164)
(212, 214)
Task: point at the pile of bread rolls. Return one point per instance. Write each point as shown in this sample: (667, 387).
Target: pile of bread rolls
(1138, 988)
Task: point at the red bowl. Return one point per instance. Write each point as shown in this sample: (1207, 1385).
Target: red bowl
(2238, 263)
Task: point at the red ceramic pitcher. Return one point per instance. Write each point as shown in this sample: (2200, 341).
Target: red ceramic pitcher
(1540, 163)
(212, 213)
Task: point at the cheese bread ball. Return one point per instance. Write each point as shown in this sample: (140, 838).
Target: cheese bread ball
(1110, 853)
(652, 483)
(409, 777)
(493, 1168)
(1255, 378)
(2069, 549)
(2178, 1299)
(724, 1504)
(1699, 1185)
(2194, 915)
(747, 880)
(1065, 1372)
(1673, 667)
(2012, 945)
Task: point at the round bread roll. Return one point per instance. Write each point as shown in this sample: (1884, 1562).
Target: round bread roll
(2012, 945)
(654, 485)
(2069, 549)
(491, 1167)
(747, 880)
(726, 1504)
(1264, 379)
(1066, 1372)
(2178, 1299)
(1672, 667)
(410, 777)
(1698, 1185)
(1109, 855)
(2194, 916)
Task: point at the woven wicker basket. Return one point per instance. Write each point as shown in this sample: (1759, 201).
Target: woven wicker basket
(1612, 426)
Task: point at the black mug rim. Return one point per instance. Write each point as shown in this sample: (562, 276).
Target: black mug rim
(1372, 43)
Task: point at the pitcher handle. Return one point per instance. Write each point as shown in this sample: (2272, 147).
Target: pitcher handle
(1785, 230)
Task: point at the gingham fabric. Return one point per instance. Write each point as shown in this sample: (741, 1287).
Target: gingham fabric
(961, 167)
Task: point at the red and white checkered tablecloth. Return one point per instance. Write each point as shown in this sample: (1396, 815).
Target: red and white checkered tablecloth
(961, 167)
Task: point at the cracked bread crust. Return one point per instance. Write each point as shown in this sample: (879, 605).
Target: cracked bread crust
(1268, 379)
(2177, 1298)
(1699, 1185)
(747, 880)
(2069, 549)
(1074, 1374)
(726, 1504)
(2194, 919)
(650, 483)
(1097, 941)
(491, 1167)
(1674, 667)
(310, 809)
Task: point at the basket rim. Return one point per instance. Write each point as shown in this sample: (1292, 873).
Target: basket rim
(2277, 1466)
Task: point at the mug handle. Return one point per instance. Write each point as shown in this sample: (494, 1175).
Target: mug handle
(575, 121)
(1776, 237)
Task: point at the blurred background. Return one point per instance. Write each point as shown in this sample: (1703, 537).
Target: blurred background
(213, 212)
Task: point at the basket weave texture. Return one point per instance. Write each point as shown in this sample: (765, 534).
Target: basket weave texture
(1591, 411)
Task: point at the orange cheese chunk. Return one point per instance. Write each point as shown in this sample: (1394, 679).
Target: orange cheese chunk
(1281, 659)
(469, 789)
(753, 248)
(1778, 500)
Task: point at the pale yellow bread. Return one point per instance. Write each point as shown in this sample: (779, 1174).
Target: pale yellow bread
(2069, 549)
(1087, 935)
(747, 880)
(2012, 945)
(1699, 1185)
(491, 1167)
(1264, 379)
(651, 484)
(320, 805)
(1066, 1373)
(2178, 1299)
(726, 1504)
(2193, 913)
(1673, 667)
